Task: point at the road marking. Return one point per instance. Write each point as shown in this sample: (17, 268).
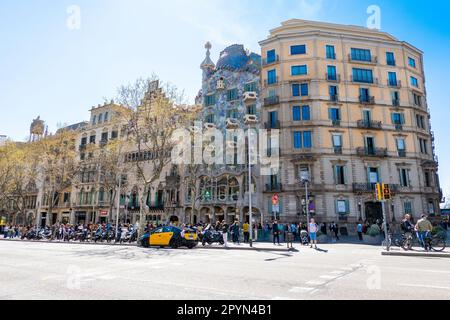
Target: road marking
(301, 289)
(337, 272)
(327, 277)
(315, 283)
(423, 286)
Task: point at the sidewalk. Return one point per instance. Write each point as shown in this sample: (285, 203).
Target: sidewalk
(416, 252)
(257, 246)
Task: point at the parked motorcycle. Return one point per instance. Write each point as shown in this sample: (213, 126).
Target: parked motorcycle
(211, 236)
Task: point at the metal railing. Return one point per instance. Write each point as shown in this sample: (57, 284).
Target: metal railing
(368, 124)
(270, 101)
(372, 152)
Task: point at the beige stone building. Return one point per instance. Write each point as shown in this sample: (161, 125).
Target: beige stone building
(352, 108)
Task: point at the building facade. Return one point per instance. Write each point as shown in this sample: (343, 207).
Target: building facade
(352, 108)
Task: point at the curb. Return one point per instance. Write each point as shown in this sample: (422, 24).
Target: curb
(135, 245)
(247, 249)
(416, 254)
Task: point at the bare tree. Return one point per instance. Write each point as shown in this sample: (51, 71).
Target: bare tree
(153, 112)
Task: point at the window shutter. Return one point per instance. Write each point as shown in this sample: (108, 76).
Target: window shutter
(402, 118)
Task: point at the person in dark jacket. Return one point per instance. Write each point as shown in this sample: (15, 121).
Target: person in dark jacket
(235, 231)
(276, 232)
(225, 229)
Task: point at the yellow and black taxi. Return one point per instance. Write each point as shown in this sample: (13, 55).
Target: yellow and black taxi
(170, 236)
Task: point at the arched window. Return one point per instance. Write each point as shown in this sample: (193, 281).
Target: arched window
(222, 189)
(106, 117)
(94, 119)
(101, 195)
(233, 189)
(100, 118)
(206, 189)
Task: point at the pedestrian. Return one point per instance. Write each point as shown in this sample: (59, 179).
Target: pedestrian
(289, 236)
(235, 234)
(225, 229)
(246, 229)
(276, 232)
(359, 229)
(334, 228)
(424, 228)
(313, 229)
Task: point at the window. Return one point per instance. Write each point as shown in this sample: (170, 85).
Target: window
(401, 147)
(100, 118)
(273, 119)
(94, 119)
(106, 117)
(232, 94)
(334, 114)
(398, 118)
(331, 73)
(407, 207)
(423, 146)
(374, 176)
(298, 140)
(395, 98)
(427, 179)
(390, 59)
(232, 113)
(92, 139)
(114, 135)
(364, 95)
(331, 54)
(417, 99)
(271, 56)
(209, 118)
(251, 87)
(337, 140)
(342, 207)
(271, 77)
(411, 62)
(362, 75)
(251, 109)
(339, 175)
(301, 113)
(299, 49)
(392, 79)
(404, 177)
(431, 210)
(296, 90)
(210, 100)
(414, 82)
(299, 70)
(302, 139)
(333, 90)
(306, 113)
(420, 120)
(83, 141)
(361, 55)
(296, 113)
(104, 137)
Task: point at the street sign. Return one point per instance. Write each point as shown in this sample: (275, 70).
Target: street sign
(103, 213)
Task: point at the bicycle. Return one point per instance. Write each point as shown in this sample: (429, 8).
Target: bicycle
(436, 243)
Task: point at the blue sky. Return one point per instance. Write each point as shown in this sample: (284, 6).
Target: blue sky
(49, 70)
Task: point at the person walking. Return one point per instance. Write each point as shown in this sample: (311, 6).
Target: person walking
(334, 228)
(235, 232)
(289, 236)
(313, 229)
(359, 229)
(276, 232)
(225, 229)
(246, 229)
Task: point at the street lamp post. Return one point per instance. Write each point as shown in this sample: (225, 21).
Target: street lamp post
(249, 122)
(304, 178)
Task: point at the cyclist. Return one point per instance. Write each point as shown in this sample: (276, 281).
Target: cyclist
(407, 226)
(424, 228)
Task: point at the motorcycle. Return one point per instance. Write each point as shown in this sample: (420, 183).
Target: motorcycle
(211, 236)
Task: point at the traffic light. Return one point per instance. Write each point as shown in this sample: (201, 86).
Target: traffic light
(379, 194)
(386, 192)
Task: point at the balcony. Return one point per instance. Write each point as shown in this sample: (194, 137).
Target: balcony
(363, 187)
(371, 81)
(372, 152)
(366, 124)
(396, 102)
(267, 61)
(394, 84)
(336, 123)
(367, 99)
(337, 150)
(402, 153)
(334, 98)
(398, 127)
(272, 125)
(274, 187)
(333, 77)
(373, 60)
(270, 101)
(273, 82)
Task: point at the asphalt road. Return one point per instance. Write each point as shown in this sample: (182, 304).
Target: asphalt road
(338, 271)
